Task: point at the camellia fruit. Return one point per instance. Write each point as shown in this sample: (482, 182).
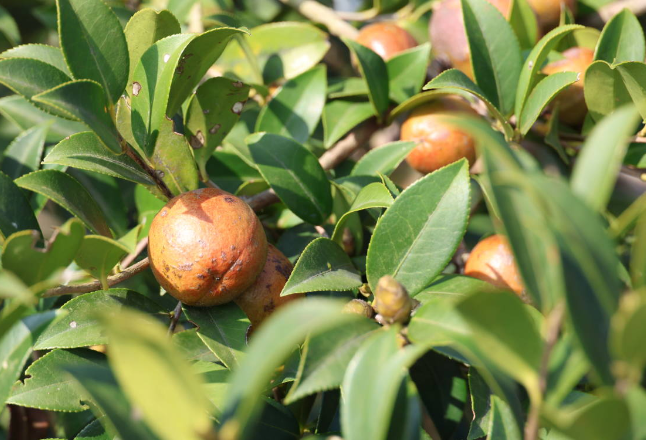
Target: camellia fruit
(263, 296)
(571, 101)
(206, 247)
(437, 143)
(386, 39)
(491, 260)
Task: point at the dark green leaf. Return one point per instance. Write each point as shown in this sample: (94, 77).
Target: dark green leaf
(48, 54)
(407, 71)
(346, 87)
(15, 212)
(341, 116)
(94, 45)
(523, 21)
(610, 91)
(622, 39)
(294, 173)
(296, 109)
(634, 75)
(66, 191)
(383, 159)
(23, 155)
(323, 266)
(454, 285)
(375, 73)
(86, 152)
(192, 347)
(417, 236)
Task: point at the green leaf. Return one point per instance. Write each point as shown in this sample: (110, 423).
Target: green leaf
(371, 383)
(295, 174)
(634, 75)
(80, 327)
(529, 74)
(86, 152)
(192, 347)
(15, 212)
(32, 264)
(374, 71)
(200, 54)
(281, 50)
(622, 39)
(16, 347)
(374, 195)
(322, 266)
(282, 331)
(625, 341)
(346, 87)
(66, 191)
(296, 109)
(382, 160)
(523, 21)
(455, 81)
(454, 285)
(595, 171)
(544, 92)
(502, 424)
(223, 330)
(98, 255)
(341, 116)
(144, 29)
(46, 387)
(211, 114)
(155, 378)
(417, 236)
(610, 91)
(47, 54)
(326, 357)
(23, 155)
(84, 100)
(501, 324)
(94, 45)
(495, 53)
(8, 27)
(407, 72)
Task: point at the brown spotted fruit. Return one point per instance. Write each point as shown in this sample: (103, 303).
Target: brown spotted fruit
(386, 39)
(438, 143)
(571, 101)
(263, 297)
(447, 34)
(491, 260)
(206, 247)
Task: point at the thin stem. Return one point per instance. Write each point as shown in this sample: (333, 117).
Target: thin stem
(174, 319)
(319, 13)
(96, 285)
(158, 181)
(127, 261)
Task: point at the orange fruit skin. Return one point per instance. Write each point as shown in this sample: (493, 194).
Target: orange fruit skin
(438, 144)
(447, 34)
(206, 247)
(548, 12)
(491, 260)
(263, 297)
(386, 39)
(572, 107)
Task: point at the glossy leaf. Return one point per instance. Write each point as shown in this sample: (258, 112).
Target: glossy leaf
(604, 417)
(374, 71)
(42, 52)
(454, 286)
(595, 171)
(79, 326)
(622, 39)
(407, 72)
(32, 264)
(296, 108)
(324, 362)
(347, 87)
(98, 255)
(383, 159)
(223, 330)
(213, 111)
(192, 347)
(94, 45)
(633, 75)
(544, 92)
(430, 219)
(84, 101)
(281, 50)
(23, 155)
(86, 152)
(341, 116)
(45, 376)
(66, 191)
(294, 173)
(610, 91)
(495, 53)
(523, 21)
(15, 212)
(374, 195)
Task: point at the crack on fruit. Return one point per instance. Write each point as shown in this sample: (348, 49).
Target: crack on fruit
(229, 199)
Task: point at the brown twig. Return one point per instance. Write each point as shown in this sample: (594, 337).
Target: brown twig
(96, 285)
(152, 173)
(554, 323)
(127, 261)
(174, 319)
(319, 13)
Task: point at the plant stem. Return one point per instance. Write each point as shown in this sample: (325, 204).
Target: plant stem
(127, 261)
(174, 319)
(158, 181)
(319, 13)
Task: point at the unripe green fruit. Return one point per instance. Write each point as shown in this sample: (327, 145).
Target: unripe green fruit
(392, 301)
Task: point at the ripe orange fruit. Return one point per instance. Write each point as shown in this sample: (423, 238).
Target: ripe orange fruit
(491, 260)
(386, 39)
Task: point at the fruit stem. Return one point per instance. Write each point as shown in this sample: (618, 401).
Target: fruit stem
(174, 318)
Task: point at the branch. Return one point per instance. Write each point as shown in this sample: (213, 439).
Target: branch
(96, 285)
(319, 13)
(127, 261)
(328, 160)
(174, 318)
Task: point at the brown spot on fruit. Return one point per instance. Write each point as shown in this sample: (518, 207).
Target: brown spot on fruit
(492, 261)
(386, 39)
(572, 107)
(196, 229)
(260, 300)
(437, 143)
